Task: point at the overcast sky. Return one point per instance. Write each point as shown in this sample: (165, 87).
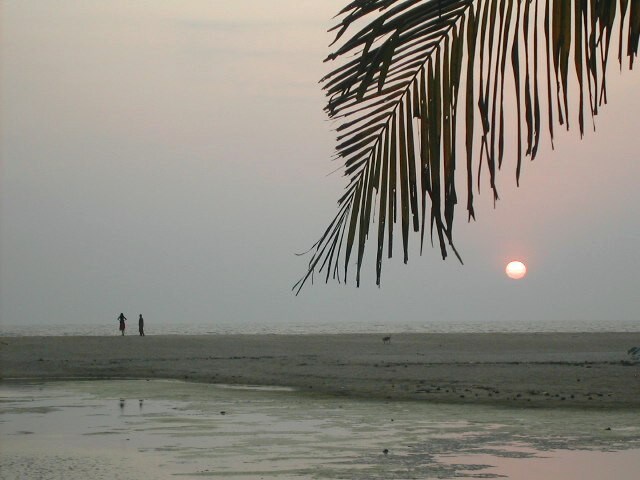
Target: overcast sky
(170, 158)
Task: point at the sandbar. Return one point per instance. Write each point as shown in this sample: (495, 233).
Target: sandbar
(583, 370)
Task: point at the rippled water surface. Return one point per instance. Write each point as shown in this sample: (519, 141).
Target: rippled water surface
(170, 429)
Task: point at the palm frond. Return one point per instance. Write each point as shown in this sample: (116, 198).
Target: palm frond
(396, 99)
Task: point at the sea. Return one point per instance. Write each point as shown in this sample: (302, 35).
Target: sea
(336, 327)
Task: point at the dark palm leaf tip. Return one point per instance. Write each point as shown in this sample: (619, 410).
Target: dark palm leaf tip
(397, 96)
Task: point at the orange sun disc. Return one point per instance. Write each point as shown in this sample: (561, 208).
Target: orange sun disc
(516, 270)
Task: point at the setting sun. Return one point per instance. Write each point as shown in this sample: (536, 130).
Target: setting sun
(516, 270)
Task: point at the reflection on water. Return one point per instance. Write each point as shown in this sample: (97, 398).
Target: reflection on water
(158, 429)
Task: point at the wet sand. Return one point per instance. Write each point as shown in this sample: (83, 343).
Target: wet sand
(529, 370)
(101, 430)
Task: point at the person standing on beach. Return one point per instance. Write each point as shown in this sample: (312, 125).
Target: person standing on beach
(141, 325)
(122, 318)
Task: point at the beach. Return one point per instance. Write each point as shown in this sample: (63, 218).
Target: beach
(584, 370)
(151, 429)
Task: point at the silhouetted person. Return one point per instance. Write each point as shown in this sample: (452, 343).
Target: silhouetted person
(141, 325)
(122, 318)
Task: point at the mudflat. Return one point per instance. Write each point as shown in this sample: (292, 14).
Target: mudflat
(518, 369)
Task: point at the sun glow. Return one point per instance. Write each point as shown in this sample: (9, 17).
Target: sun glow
(516, 270)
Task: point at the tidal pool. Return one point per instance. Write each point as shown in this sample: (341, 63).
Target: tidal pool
(169, 429)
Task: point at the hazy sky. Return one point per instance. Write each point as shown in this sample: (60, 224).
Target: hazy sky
(170, 157)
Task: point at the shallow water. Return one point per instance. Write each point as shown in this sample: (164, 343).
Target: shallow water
(102, 429)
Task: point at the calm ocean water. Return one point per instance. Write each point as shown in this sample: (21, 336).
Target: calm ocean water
(215, 328)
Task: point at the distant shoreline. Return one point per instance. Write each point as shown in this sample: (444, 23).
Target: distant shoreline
(218, 327)
(591, 370)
